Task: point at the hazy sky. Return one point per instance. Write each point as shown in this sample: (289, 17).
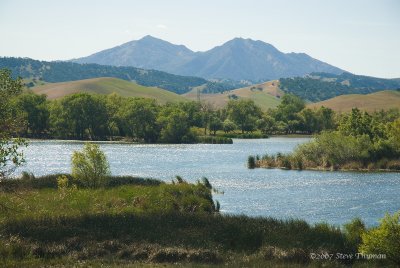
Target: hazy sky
(362, 37)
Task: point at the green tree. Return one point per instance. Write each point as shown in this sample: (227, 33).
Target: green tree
(35, 108)
(215, 124)
(309, 121)
(174, 125)
(354, 230)
(11, 123)
(289, 107)
(194, 111)
(81, 115)
(356, 123)
(139, 119)
(384, 239)
(228, 126)
(266, 124)
(326, 117)
(114, 102)
(287, 112)
(90, 167)
(244, 113)
(393, 133)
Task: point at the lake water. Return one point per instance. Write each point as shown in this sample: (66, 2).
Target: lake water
(334, 197)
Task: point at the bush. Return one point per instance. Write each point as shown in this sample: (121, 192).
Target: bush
(384, 239)
(251, 162)
(354, 230)
(214, 140)
(90, 167)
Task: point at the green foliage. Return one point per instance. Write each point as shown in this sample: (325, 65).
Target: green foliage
(384, 239)
(62, 182)
(266, 124)
(30, 182)
(139, 119)
(10, 123)
(36, 112)
(333, 149)
(215, 124)
(322, 86)
(80, 116)
(228, 126)
(354, 231)
(213, 140)
(244, 114)
(174, 124)
(251, 162)
(90, 167)
(357, 123)
(10, 155)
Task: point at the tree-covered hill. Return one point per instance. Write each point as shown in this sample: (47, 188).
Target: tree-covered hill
(322, 86)
(69, 71)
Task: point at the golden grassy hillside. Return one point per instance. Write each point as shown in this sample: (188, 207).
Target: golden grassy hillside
(107, 85)
(385, 100)
(266, 95)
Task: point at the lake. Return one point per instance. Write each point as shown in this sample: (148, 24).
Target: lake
(334, 197)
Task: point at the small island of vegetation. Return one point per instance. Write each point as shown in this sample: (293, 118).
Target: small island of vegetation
(361, 142)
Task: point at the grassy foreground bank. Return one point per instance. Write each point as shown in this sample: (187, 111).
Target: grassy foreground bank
(133, 221)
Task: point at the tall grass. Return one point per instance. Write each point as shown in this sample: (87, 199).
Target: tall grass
(147, 221)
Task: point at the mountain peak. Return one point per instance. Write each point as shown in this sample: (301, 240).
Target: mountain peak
(150, 38)
(249, 42)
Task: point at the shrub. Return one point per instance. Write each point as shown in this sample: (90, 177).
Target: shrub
(251, 162)
(90, 167)
(393, 165)
(384, 239)
(62, 182)
(354, 230)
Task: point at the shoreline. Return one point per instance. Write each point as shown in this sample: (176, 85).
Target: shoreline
(364, 170)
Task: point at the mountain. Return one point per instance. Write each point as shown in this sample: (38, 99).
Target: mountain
(237, 59)
(322, 86)
(106, 85)
(266, 95)
(147, 53)
(382, 100)
(246, 59)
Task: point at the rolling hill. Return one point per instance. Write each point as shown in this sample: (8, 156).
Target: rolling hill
(323, 86)
(237, 59)
(54, 72)
(382, 100)
(266, 95)
(106, 85)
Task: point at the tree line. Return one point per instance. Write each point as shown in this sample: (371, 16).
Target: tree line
(98, 117)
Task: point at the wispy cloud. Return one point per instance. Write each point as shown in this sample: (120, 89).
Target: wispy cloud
(162, 26)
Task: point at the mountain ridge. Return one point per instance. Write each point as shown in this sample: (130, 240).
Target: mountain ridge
(237, 59)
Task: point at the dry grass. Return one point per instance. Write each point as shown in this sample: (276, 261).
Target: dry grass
(107, 85)
(265, 95)
(385, 100)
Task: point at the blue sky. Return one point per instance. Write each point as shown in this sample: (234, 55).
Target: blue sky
(362, 37)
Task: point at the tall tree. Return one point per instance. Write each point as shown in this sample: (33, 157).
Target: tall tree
(36, 111)
(139, 119)
(244, 113)
(10, 124)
